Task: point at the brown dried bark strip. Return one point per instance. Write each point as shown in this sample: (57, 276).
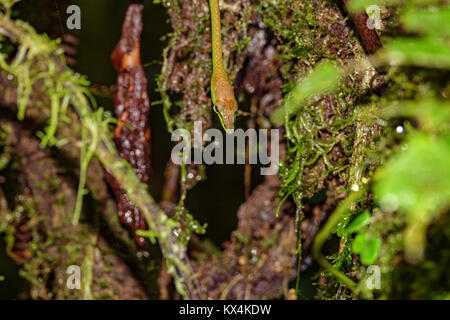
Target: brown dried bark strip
(46, 186)
(369, 37)
(132, 107)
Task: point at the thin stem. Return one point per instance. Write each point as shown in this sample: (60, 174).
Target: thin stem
(325, 232)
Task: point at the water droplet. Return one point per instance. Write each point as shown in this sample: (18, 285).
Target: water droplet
(389, 202)
(400, 129)
(249, 88)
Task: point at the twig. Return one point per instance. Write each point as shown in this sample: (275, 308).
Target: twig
(42, 54)
(327, 230)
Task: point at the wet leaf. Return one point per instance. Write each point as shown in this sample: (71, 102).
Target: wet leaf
(323, 79)
(416, 183)
(368, 247)
(421, 52)
(429, 21)
(418, 179)
(359, 222)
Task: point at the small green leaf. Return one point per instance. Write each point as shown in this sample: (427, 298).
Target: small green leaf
(359, 222)
(416, 181)
(432, 114)
(368, 247)
(428, 21)
(323, 79)
(358, 242)
(151, 235)
(421, 52)
(361, 5)
(370, 251)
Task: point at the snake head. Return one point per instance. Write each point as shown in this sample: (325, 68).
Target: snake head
(225, 105)
(226, 115)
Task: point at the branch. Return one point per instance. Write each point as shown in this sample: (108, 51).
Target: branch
(44, 61)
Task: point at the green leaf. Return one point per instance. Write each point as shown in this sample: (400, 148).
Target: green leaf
(151, 235)
(323, 79)
(359, 222)
(421, 52)
(368, 247)
(417, 180)
(361, 5)
(358, 243)
(371, 250)
(432, 114)
(429, 21)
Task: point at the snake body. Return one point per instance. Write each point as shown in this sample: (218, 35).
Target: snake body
(222, 95)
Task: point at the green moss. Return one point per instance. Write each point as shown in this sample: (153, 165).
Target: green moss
(362, 141)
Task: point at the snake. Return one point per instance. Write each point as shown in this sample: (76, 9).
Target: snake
(222, 95)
